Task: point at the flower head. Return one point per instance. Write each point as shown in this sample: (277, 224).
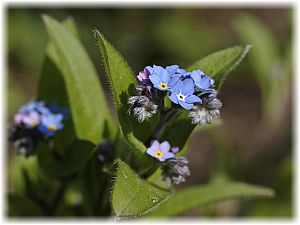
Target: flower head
(161, 79)
(160, 151)
(50, 124)
(183, 94)
(202, 81)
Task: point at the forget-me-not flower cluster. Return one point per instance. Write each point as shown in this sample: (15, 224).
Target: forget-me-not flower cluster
(185, 90)
(35, 121)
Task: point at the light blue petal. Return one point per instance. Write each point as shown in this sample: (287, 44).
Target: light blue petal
(172, 69)
(188, 87)
(186, 105)
(58, 117)
(192, 99)
(172, 82)
(155, 145)
(154, 78)
(205, 82)
(196, 77)
(151, 151)
(165, 146)
(168, 155)
(157, 69)
(165, 76)
(178, 87)
(173, 97)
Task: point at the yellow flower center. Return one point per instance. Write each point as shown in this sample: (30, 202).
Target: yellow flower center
(34, 123)
(163, 86)
(158, 154)
(52, 127)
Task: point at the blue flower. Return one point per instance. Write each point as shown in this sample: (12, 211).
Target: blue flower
(161, 79)
(202, 81)
(174, 70)
(183, 94)
(160, 151)
(50, 123)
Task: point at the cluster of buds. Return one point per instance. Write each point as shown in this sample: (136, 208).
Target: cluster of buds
(209, 109)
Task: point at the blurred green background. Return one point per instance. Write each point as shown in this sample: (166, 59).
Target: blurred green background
(253, 144)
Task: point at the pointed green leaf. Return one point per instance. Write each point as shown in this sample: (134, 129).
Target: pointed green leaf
(122, 81)
(219, 64)
(204, 195)
(74, 159)
(132, 196)
(52, 87)
(86, 99)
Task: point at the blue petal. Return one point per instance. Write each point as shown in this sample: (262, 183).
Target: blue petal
(173, 97)
(188, 87)
(196, 77)
(154, 78)
(157, 69)
(192, 99)
(41, 128)
(165, 76)
(181, 71)
(178, 87)
(168, 155)
(165, 146)
(172, 69)
(186, 105)
(58, 117)
(205, 82)
(172, 82)
(155, 144)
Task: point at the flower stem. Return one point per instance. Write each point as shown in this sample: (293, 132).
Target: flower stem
(164, 119)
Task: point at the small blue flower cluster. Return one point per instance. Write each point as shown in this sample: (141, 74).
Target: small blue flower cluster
(192, 91)
(183, 86)
(33, 122)
(35, 115)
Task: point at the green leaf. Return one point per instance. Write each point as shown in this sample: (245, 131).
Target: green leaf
(52, 88)
(86, 99)
(219, 64)
(204, 195)
(74, 159)
(122, 81)
(132, 196)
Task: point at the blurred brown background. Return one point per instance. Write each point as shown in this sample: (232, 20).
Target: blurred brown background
(254, 142)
